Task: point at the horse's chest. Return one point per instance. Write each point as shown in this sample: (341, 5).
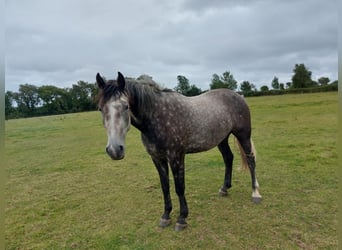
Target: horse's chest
(163, 138)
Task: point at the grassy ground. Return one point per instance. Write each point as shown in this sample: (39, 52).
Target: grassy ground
(63, 192)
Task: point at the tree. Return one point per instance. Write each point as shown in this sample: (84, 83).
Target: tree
(314, 84)
(301, 77)
(323, 81)
(264, 88)
(334, 83)
(194, 90)
(275, 83)
(27, 99)
(183, 87)
(226, 81)
(216, 83)
(82, 96)
(55, 100)
(9, 98)
(247, 88)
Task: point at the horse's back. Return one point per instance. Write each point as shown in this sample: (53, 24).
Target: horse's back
(222, 105)
(213, 116)
(220, 97)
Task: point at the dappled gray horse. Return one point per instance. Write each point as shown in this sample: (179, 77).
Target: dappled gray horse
(173, 125)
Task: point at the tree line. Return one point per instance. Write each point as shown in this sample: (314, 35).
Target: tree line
(31, 100)
(301, 82)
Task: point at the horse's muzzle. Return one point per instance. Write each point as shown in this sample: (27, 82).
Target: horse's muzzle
(116, 152)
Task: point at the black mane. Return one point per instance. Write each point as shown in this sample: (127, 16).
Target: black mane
(143, 91)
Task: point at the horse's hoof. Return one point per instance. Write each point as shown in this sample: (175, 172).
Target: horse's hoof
(164, 222)
(256, 199)
(180, 226)
(222, 192)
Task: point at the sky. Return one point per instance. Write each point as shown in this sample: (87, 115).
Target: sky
(61, 42)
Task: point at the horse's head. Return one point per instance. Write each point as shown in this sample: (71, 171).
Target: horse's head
(114, 106)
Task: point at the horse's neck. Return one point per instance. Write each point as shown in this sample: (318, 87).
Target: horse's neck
(136, 122)
(139, 118)
(141, 108)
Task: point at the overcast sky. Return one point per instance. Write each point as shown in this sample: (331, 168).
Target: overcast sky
(61, 42)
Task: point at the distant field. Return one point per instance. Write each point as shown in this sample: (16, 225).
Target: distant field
(64, 192)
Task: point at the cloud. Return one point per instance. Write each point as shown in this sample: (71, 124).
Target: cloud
(62, 42)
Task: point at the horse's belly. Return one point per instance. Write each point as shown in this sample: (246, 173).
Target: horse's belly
(207, 138)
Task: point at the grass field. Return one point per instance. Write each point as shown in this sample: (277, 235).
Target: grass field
(64, 192)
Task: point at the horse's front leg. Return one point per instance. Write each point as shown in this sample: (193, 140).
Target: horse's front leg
(163, 170)
(177, 166)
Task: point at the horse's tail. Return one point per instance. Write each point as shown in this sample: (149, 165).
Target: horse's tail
(244, 163)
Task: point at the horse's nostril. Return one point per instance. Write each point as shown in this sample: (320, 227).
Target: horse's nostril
(107, 150)
(121, 148)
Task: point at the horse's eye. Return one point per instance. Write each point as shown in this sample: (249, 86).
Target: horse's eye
(125, 107)
(100, 109)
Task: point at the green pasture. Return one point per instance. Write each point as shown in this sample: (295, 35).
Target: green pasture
(64, 192)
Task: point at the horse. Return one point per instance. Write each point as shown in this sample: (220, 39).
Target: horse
(173, 125)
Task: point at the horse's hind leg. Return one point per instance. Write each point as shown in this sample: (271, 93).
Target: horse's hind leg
(248, 156)
(228, 162)
(256, 197)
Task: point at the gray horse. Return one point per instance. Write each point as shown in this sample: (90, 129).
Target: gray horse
(173, 125)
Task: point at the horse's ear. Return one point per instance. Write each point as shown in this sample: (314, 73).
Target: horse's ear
(121, 81)
(100, 82)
